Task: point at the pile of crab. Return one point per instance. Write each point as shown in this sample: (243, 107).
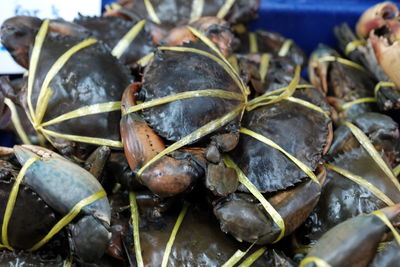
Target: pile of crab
(164, 133)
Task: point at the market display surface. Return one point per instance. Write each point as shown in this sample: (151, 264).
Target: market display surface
(166, 133)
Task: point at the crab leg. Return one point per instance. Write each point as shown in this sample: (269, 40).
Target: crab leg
(167, 176)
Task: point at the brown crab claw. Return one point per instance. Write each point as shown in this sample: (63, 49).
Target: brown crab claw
(376, 17)
(353, 242)
(169, 175)
(318, 70)
(388, 56)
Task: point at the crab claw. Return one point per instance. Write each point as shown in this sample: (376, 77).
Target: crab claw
(388, 56)
(246, 219)
(376, 17)
(169, 175)
(353, 242)
(62, 184)
(318, 70)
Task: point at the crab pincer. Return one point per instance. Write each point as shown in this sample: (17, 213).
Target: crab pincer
(166, 177)
(353, 242)
(65, 187)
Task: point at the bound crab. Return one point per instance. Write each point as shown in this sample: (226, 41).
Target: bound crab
(192, 96)
(74, 85)
(53, 188)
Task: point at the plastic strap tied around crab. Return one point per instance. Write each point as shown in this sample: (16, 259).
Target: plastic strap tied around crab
(367, 145)
(36, 116)
(353, 45)
(238, 255)
(377, 87)
(283, 51)
(136, 237)
(58, 226)
(276, 217)
(127, 39)
(343, 61)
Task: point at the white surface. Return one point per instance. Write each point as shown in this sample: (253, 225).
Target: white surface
(66, 9)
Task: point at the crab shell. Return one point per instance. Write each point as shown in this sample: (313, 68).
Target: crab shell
(301, 131)
(342, 198)
(90, 77)
(389, 256)
(111, 29)
(376, 17)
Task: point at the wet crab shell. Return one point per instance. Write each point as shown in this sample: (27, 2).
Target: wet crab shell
(31, 218)
(111, 29)
(90, 76)
(20, 258)
(174, 72)
(301, 131)
(342, 198)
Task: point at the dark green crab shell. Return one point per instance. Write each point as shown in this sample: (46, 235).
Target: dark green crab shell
(173, 72)
(299, 130)
(90, 76)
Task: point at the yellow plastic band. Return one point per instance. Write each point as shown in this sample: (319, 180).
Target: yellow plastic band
(264, 65)
(127, 39)
(82, 139)
(287, 92)
(175, 230)
(239, 28)
(135, 223)
(68, 262)
(229, 70)
(285, 48)
(44, 94)
(145, 60)
(236, 257)
(362, 182)
(69, 217)
(385, 219)
(39, 40)
(308, 105)
(379, 85)
(271, 143)
(17, 122)
(358, 101)
(185, 95)
(197, 134)
(276, 217)
(317, 261)
(342, 61)
(197, 10)
(366, 144)
(396, 170)
(223, 11)
(253, 257)
(11, 201)
(234, 62)
(350, 47)
(150, 10)
(85, 111)
(253, 43)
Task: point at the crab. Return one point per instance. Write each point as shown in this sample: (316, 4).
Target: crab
(53, 186)
(342, 198)
(278, 178)
(170, 72)
(89, 77)
(343, 83)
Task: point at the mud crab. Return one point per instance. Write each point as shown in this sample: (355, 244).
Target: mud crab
(62, 186)
(177, 70)
(68, 75)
